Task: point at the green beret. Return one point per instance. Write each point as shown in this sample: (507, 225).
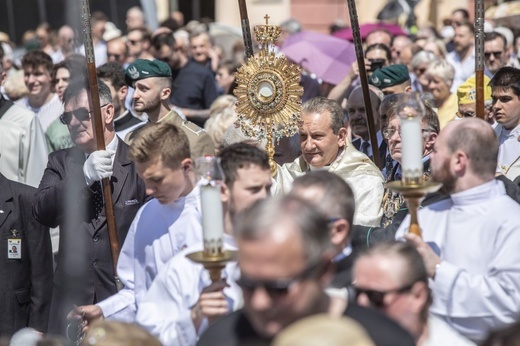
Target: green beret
(389, 76)
(141, 69)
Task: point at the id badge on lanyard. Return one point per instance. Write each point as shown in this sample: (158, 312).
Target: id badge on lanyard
(14, 245)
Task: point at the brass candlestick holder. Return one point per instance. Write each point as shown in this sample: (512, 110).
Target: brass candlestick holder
(413, 191)
(213, 263)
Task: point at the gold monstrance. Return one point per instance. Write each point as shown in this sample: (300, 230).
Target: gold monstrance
(268, 92)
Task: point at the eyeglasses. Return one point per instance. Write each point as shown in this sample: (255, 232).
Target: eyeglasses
(495, 54)
(279, 287)
(466, 114)
(377, 298)
(390, 132)
(82, 114)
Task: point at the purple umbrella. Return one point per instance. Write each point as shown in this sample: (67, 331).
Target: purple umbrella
(328, 57)
(365, 29)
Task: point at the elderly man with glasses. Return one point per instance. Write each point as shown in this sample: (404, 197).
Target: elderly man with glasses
(393, 204)
(70, 196)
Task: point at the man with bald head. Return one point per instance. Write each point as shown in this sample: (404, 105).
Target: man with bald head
(476, 234)
(66, 39)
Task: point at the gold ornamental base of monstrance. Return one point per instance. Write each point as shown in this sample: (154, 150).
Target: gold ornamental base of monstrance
(268, 93)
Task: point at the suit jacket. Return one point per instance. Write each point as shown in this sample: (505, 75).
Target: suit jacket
(25, 292)
(84, 263)
(382, 149)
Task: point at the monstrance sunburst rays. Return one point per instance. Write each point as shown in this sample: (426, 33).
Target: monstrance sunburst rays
(268, 93)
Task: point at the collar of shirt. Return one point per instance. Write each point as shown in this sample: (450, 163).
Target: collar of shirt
(513, 133)
(480, 193)
(343, 254)
(110, 146)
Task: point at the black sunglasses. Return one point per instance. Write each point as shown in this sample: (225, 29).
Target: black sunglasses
(277, 287)
(496, 54)
(82, 114)
(377, 298)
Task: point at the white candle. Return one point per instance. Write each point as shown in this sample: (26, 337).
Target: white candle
(212, 218)
(411, 147)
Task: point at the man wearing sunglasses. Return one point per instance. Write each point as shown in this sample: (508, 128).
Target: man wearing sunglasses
(495, 53)
(70, 195)
(392, 277)
(182, 299)
(284, 257)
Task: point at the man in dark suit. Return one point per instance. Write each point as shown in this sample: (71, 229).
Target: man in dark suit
(26, 261)
(70, 196)
(359, 124)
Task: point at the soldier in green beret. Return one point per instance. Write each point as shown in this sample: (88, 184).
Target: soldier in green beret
(391, 79)
(152, 81)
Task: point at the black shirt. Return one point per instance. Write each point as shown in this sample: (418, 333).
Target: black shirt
(194, 87)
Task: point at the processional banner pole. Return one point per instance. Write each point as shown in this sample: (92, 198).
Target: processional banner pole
(479, 57)
(97, 124)
(354, 24)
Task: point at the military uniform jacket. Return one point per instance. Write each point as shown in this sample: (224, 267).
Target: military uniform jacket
(200, 142)
(64, 199)
(25, 292)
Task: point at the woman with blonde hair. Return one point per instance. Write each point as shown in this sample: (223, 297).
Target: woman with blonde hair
(222, 116)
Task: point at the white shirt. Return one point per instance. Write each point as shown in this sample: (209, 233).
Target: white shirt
(509, 149)
(477, 286)
(165, 310)
(157, 233)
(463, 68)
(23, 149)
(47, 113)
(441, 334)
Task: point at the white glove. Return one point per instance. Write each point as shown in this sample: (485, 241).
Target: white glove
(98, 166)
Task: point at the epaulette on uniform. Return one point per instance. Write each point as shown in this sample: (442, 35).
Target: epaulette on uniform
(194, 128)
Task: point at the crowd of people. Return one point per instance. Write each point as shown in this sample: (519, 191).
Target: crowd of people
(320, 241)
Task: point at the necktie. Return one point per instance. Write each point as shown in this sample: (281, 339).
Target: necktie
(364, 148)
(97, 198)
(389, 165)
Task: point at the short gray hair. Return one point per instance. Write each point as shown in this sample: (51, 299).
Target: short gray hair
(75, 88)
(423, 57)
(257, 222)
(442, 69)
(319, 105)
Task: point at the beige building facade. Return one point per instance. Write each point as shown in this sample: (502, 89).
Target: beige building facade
(318, 15)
